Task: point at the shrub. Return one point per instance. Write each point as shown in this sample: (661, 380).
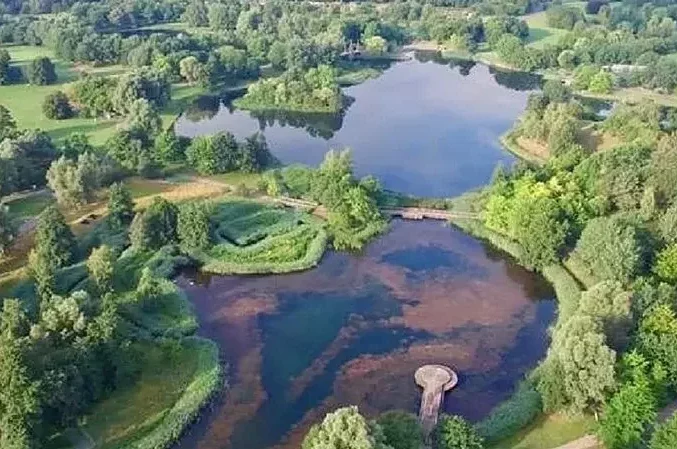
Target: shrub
(511, 415)
(57, 107)
(453, 432)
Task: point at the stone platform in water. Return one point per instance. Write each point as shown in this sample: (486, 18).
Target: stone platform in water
(435, 381)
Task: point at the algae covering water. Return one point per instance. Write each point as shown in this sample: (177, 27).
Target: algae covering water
(355, 329)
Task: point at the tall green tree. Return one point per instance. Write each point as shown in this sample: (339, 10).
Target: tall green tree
(19, 397)
(143, 118)
(56, 106)
(585, 363)
(401, 430)
(630, 411)
(7, 123)
(4, 67)
(193, 228)
(120, 206)
(7, 229)
(345, 429)
(612, 248)
(156, 226)
(213, 154)
(101, 267)
(53, 238)
(610, 303)
(41, 72)
(454, 432)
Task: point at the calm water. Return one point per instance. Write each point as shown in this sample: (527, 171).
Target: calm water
(355, 329)
(422, 128)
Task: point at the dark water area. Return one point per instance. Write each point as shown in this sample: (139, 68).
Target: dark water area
(355, 329)
(427, 126)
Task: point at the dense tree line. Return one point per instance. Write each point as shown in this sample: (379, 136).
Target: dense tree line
(610, 216)
(315, 90)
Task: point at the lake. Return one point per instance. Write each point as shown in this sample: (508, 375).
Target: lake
(424, 128)
(355, 329)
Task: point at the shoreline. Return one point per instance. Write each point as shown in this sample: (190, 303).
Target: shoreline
(632, 95)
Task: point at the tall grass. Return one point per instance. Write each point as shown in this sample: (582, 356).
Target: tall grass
(256, 239)
(170, 315)
(206, 382)
(567, 289)
(300, 249)
(512, 415)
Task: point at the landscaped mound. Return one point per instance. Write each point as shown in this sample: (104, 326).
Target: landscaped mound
(252, 238)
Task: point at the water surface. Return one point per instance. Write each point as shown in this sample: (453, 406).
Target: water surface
(354, 330)
(423, 128)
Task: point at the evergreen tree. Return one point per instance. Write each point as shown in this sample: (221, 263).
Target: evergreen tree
(7, 229)
(194, 226)
(54, 239)
(7, 124)
(19, 403)
(41, 72)
(120, 206)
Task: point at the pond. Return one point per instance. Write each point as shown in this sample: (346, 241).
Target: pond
(355, 329)
(424, 128)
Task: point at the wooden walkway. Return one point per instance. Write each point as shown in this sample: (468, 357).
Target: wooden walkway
(420, 213)
(435, 381)
(406, 213)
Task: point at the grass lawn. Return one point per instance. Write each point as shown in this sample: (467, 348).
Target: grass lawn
(249, 180)
(30, 205)
(131, 413)
(25, 101)
(540, 33)
(140, 187)
(549, 432)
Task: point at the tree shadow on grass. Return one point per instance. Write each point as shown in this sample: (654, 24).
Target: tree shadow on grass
(97, 131)
(538, 34)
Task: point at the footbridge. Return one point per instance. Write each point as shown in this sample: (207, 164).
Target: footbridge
(406, 213)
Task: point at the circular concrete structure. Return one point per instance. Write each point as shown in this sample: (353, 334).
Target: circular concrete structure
(432, 377)
(435, 380)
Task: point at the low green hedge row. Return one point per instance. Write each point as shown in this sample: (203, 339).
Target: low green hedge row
(300, 249)
(523, 407)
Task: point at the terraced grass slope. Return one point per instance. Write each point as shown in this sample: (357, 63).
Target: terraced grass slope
(255, 239)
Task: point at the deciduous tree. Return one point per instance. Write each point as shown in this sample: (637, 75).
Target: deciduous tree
(345, 429)
(454, 432)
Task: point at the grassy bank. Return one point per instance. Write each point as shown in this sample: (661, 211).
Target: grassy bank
(177, 380)
(510, 143)
(548, 432)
